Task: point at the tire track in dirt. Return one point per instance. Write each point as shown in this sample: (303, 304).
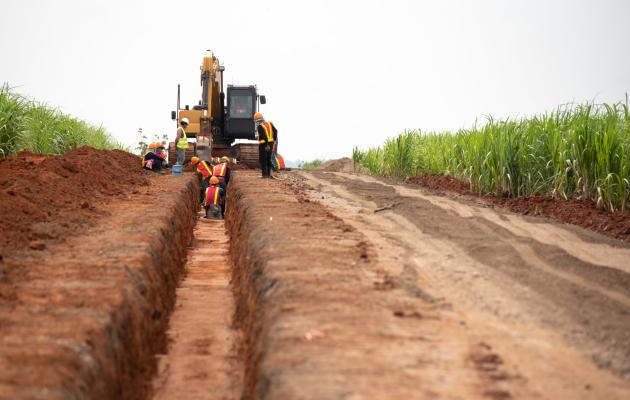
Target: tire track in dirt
(494, 250)
(600, 308)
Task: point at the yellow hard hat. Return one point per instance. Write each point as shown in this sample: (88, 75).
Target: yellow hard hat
(194, 160)
(225, 159)
(258, 116)
(214, 180)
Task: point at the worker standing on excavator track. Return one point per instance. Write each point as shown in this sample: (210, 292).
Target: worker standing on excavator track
(204, 173)
(222, 172)
(267, 135)
(181, 141)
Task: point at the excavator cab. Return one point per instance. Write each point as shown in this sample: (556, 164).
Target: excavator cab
(242, 104)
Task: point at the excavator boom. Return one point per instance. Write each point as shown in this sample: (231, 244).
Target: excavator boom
(215, 126)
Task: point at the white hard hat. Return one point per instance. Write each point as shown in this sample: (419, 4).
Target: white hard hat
(185, 121)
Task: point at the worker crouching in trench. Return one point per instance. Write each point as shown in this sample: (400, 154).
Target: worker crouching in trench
(204, 173)
(155, 158)
(214, 200)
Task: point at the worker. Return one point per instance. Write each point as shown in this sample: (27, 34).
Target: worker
(214, 199)
(222, 171)
(159, 150)
(204, 173)
(267, 135)
(153, 161)
(181, 141)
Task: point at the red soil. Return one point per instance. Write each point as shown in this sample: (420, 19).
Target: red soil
(46, 198)
(440, 182)
(579, 212)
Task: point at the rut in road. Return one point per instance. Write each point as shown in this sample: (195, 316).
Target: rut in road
(202, 360)
(551, 301)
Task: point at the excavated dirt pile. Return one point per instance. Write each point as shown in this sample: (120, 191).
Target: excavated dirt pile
(47, 197)
(340, 165)
(93, 248)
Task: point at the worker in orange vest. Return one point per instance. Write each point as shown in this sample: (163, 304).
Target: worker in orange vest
(159, 150)
(152, 160)
(267, 136)
(222, 172)
(204, 171)
(214, 199)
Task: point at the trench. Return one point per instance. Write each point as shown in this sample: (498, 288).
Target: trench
(202, 360)
(212, 330)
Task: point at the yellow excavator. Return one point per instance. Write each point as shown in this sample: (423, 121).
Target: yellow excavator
(220, 118)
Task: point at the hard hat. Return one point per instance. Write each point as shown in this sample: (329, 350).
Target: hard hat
(185, 120)
(194, 160)
(159, 145)
(225, 159)
(152, 145)
(214, 180)
(258, 116)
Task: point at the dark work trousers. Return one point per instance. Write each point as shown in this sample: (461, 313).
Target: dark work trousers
(264, 156)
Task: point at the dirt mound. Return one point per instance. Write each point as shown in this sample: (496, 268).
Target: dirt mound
(579, 212)
(85, 318)
(440, 182)
(340, 165)
(47, 197)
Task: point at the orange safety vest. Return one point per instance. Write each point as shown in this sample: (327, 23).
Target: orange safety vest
(220, 170)
(213, 195)
(268, 128)
(204, 169)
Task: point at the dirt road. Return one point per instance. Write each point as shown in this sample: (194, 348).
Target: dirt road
(507, 306)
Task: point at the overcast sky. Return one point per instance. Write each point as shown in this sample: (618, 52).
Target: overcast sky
(336, 73)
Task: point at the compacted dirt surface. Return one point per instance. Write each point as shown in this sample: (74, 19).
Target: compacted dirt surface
(537, 309)
(351, 288)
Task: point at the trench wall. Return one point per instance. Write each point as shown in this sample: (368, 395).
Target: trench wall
(295, 266)
(92, 314)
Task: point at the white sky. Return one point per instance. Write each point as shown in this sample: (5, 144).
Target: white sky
(336, 73)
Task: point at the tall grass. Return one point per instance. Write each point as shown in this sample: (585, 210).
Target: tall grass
(575, 151)
(29, 125)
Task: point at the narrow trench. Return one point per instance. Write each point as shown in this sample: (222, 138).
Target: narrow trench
(202, 360)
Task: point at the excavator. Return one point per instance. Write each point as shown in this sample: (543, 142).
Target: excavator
(220, 118)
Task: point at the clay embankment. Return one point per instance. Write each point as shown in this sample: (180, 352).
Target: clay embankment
(91, 258)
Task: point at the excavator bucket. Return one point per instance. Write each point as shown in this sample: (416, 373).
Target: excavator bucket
(204, 147)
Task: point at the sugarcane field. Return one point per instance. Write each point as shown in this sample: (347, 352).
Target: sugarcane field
(314, 200)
